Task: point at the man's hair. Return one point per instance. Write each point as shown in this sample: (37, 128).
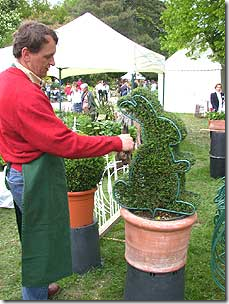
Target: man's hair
(218, 84)
(33, 35)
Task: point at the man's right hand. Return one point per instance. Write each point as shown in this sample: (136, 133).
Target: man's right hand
(127, 142)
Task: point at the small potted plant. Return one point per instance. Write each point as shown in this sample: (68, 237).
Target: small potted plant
(83, 176)
(216, 121)
(157, 222)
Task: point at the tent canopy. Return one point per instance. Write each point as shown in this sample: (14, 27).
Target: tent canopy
(189, 82)
(137, 75)
(87, 46)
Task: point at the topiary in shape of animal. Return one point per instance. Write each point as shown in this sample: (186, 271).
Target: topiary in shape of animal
(153, 181)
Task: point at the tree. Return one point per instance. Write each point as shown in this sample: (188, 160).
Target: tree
(9, 21)
(196, 25)
(147, 22)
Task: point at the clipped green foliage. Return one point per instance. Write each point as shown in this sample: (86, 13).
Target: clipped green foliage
(153, 180)
(215, 115)
(84, 174)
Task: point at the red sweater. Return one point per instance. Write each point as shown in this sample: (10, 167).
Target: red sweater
(29, 126)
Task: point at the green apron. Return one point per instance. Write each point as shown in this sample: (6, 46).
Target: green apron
(46, 245)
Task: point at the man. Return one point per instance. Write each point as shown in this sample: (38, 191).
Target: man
(87, 100)
(217, 98)
(33, 141)
(67, 91)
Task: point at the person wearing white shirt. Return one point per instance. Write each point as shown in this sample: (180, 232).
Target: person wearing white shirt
(218, 99)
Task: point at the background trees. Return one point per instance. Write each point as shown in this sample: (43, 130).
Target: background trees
(196, 24)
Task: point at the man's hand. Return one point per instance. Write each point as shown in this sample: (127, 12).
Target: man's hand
(127, 142)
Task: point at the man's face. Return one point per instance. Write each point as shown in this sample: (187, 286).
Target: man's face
(40, 62)
(218, 88)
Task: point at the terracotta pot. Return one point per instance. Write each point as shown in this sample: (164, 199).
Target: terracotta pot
(215, 125)
(156, 246)
(81, 207)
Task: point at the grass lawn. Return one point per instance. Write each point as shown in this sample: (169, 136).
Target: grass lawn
(107, 282)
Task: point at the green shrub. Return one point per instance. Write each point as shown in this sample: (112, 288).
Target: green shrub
(84, 174)
(215, 115)
(154, 178)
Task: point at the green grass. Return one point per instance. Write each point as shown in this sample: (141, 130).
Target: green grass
(107, 282)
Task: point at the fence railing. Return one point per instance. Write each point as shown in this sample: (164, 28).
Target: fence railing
(106, 209)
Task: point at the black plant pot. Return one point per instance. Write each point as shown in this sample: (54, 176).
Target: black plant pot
(217, 154)
(148, 286)
(85, 248)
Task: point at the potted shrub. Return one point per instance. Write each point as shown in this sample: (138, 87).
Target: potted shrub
(216, 121)
(82, 177)
(157, 222)
(216, 125)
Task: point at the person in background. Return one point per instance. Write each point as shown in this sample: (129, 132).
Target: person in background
(76, 98)
(218, 99)
(153, 86)
(88, 102)
(106, 90)
(78, 83)
(99, 90)
(124, 88)
(33, 143)
(67, 91)
(48, 89)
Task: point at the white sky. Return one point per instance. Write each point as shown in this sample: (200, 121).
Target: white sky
(53, 2)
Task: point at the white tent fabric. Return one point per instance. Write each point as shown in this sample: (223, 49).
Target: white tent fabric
(189, 82)
(128, 76)
(87, 45)
(6, 57)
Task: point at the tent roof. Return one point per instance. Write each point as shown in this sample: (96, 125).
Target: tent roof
(87, 45)
(180, 62)
(128, 76)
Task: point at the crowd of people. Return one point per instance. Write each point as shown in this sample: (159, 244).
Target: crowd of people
(76, 93)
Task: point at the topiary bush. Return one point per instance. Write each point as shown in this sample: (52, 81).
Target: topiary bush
(154, 179)
(84, 174)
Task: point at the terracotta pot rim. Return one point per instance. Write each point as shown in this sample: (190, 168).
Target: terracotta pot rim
(147, 224)
(82, 192)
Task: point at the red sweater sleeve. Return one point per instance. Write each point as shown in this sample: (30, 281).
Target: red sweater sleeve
(44, 131)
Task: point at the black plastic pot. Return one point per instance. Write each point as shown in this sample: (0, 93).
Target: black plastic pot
(85, 248)
(148, 286)
(217, 154)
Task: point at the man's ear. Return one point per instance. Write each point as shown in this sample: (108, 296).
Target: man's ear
(25, 54)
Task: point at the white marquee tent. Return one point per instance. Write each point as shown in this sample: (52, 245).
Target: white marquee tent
(137, 75)
(189, 82)
(87, 46)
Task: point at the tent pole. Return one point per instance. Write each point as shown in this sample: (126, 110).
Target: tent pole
(132, 81)
(163, 94)
(60, 69)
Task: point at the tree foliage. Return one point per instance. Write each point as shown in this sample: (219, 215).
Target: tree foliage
(137, 20)
(196, 25)
(10, 19)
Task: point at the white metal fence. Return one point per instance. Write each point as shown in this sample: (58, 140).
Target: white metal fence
(106, 210)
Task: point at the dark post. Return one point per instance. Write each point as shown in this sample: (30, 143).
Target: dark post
(60, 69)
